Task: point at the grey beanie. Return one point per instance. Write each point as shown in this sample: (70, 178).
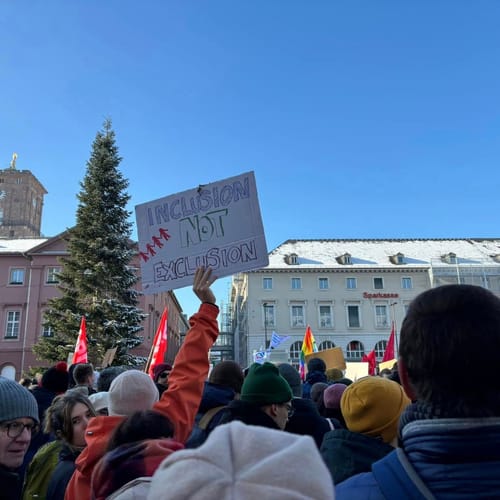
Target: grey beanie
(16, 401)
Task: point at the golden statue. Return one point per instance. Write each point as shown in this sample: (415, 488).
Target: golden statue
(13, 161)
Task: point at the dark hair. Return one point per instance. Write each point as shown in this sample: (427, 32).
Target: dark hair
(58, 415)
(107, 376)
(316, 365)
(81, 372)
(445, 333)
(147, 424)
(227, 373)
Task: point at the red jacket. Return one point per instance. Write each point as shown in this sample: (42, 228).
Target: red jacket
(179, 402)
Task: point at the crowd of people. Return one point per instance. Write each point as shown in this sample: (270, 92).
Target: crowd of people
(427, 430)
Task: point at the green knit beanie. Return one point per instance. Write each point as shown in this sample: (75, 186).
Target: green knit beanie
(264, 385)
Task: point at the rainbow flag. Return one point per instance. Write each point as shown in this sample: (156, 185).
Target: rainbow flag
(308, 347)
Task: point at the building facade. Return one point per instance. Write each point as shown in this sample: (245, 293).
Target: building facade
(350, 292)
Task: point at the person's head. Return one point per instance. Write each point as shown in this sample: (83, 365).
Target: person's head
(18, 422)
(316, 365)
(26, 382)
(55, 379)
(132, 391)
(266, 388)
(386, 373)
(244, 461)
(107, 375)
(100, 402)
(68, 416)
(292, 376)
(334, 374)
(372, 406)
(447, 331)
(161, 371)
(141, 425)
(332, 396)
(83, 374)
(227, 373)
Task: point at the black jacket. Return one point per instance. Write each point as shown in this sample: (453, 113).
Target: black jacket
(10, 484)
(348, 453)
(306, 420)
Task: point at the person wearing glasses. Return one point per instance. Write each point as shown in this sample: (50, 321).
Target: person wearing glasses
(161, 372)
(266, 399)
(18, 423)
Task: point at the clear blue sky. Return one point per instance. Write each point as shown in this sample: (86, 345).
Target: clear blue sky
(361, 119)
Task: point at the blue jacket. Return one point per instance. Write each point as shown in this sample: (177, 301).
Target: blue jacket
(455, 458)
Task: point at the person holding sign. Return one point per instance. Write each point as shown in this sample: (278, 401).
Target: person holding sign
(134, 390)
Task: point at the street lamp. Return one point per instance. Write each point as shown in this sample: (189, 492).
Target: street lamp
(265, 324)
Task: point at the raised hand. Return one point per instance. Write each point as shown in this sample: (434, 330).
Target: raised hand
(203, 279)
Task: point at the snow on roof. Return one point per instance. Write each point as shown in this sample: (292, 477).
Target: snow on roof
(370, 253)
(20, 245)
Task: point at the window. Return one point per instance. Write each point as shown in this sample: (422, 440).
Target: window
(323, 283)
(296, 283)
(297, 316)
(351, 283)
(355, 350)
(406, 283)
(380, 347)
(295, 350)
(381, 320)
(12, 326)
(269, 320)
(267, 283)
(52, 273)
(353, 317)
(378, 283)
(48, 332)
(16, 276)
(325, 316)
(326, 344)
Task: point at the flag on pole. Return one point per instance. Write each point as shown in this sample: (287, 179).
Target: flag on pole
(276, 340)
(370, 358)
(389, 350)
(308, 347)
(80, 354)
(159, 347)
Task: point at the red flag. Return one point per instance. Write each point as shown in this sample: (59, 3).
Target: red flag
(159, 343)
(80, 354)
(389, 350)
(370, 359)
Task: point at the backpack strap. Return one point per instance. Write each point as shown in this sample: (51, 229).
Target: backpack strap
(205, 420)
(397, 478)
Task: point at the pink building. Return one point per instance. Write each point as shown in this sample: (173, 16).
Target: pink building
(28, 269)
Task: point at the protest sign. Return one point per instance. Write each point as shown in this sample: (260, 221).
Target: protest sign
(217, 225)
(333, 357)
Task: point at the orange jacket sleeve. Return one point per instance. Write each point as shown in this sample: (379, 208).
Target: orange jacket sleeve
(181, 400)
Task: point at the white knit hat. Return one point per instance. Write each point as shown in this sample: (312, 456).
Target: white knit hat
(245, 462)
(132, 391)
(100, 400)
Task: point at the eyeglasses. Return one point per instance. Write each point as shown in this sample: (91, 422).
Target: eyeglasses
(15, 429)
(164, 375)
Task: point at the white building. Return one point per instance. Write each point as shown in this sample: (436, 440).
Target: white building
(349, 291)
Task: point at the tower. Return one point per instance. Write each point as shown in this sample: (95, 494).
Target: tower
(21, 203)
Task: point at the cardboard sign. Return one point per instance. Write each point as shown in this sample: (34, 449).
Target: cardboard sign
(387, 364)
(216, 225)
(109, 356)
(356, 370)
(333, 358)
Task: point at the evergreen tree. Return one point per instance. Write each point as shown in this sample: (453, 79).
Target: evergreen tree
(96, 280)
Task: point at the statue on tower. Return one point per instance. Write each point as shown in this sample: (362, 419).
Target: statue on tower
(13, 161)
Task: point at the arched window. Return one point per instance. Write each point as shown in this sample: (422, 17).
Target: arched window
(355, 350)
(295, 349)
(326, 344)
(380, 349)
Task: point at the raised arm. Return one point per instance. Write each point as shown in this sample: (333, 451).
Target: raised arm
(181, 400)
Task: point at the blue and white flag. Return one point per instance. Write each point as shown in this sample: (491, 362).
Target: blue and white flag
(276, 340)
